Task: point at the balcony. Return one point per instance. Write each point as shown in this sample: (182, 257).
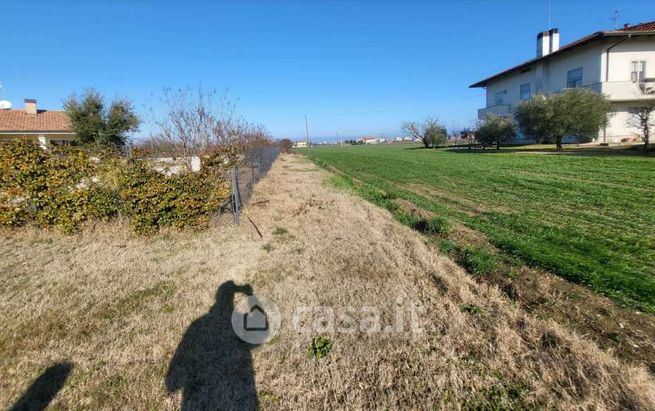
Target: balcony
(629, 90)
(497, 110)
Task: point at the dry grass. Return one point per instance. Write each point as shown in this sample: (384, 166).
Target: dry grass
(137, 317)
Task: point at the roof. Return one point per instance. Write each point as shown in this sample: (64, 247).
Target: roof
(628, 30)
(42, 121)
(641, 27)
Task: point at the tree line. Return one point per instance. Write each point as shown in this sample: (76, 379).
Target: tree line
(548, 119)
(187, 121)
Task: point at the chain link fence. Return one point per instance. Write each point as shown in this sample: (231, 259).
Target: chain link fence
(253, 168)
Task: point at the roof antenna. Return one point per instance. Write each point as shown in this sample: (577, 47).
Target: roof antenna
(615, 18)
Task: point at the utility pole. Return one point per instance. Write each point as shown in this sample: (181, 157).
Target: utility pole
(306, 131)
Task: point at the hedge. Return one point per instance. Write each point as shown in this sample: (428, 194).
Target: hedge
(65, 187)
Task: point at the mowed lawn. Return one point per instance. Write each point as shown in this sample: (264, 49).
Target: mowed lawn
(587, 217)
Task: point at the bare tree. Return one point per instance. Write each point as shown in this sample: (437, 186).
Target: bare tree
(430, 132)
(193, 121)
(642, 118)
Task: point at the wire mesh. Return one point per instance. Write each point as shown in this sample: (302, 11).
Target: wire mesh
(255, 165)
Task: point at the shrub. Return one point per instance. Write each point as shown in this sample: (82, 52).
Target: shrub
(53, 188)
(152, 200)
(286, 145)
(495, 130)
(65, 187)
(574, 112)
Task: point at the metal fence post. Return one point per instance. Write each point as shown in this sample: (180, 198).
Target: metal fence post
(236, 196)
(261, 159)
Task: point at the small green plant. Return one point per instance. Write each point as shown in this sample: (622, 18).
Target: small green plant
(438, 225)
(471, 309)
(267, 247)
(280, 231)
(447, 246)
(341, 182)
(513, 274)
(319, 347)
(478, 260)
(429, 226)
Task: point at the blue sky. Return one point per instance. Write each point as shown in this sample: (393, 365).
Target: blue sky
(354, 67)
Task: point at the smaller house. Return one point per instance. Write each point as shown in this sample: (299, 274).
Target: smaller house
(300, 144)
(48, 127)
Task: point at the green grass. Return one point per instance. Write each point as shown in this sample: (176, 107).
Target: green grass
(477, 260)
(585, 216)
(280, 231)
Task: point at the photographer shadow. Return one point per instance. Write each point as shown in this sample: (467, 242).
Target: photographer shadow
(44, 389)
(212, 365)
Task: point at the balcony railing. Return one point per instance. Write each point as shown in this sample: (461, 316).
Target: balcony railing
(626, 90)
(497, 110)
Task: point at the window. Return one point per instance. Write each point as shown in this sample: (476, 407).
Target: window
(525, 91)
(638, 70)
(574, 78)
(498, 97)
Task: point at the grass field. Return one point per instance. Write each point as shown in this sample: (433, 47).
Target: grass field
(107, 319)
(585, 216)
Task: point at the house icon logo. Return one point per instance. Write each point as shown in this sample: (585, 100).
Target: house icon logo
(256, 319)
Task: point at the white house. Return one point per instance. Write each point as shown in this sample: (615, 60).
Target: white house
(617, 63)
(367, 140)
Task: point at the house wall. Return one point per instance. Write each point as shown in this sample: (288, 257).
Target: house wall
(42, 138)
(556, 69)
(620, 127)
(636, 48)
(620, 89)
(551, 76)
(510, 87)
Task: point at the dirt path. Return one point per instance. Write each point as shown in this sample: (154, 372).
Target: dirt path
(146, 321)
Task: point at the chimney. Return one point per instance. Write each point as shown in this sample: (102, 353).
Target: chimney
(30, 106)
(543, 44)
(554, 40)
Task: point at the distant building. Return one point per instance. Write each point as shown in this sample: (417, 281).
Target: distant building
(369, 140)
(300, 143)
(48, 127)
(618, 63)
